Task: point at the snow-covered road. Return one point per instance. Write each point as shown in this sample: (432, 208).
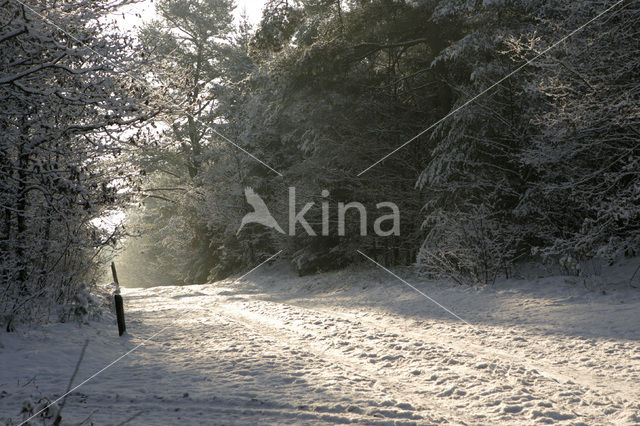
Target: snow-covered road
(344, 348)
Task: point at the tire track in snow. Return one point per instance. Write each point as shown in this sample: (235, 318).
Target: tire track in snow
(472, 375)
(570, 398)
(245, 351)
(394, 410)
(466, 342)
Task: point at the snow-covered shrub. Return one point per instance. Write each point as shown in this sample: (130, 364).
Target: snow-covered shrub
(84, 306)
(47, 416)
(469, 248)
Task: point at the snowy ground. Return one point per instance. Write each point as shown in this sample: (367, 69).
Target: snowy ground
(354, 346)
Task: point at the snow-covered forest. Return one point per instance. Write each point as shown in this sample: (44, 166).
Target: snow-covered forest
(506, 132)
(543, 167)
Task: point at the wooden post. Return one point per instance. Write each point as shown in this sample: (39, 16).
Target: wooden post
(118, 301)
(115, 276)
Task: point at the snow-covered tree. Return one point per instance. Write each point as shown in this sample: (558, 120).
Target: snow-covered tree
(585, 156)
(473, 179)
(67, 100)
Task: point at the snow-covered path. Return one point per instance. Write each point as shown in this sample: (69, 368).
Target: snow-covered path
(346, 348)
